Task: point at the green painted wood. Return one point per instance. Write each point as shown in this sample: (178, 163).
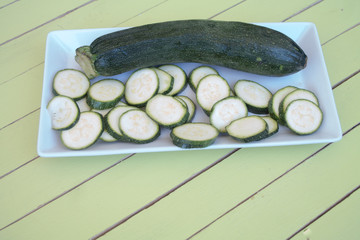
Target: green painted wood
(351, 60)
(19, 142)
(296, 198)
(331, 17)
(22, 19)
(338, 223)
(270, 11)
(95, 205)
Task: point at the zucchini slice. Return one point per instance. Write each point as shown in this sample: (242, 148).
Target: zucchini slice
(85, 132)
(295, 95)
(278, 96)
(105, 93)
(198, 73)
(303, 116)
(112, 121)
(166, 81)
(142, 85)
(105, 136)
(273, 126)
(191, 107)
(138, 127)
(194, 135)
(227, 110)
(179, 75)
(63, 111)
(72, 83)
(167, 111)
(248, 129)
(211, 89)
(255, 96)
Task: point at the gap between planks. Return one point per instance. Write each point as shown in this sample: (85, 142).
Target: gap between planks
(276, 179)
(68, 191)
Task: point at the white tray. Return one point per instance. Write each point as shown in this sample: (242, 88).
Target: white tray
(60, 51)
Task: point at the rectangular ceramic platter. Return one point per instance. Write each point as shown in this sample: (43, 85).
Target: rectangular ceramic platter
(60, 51)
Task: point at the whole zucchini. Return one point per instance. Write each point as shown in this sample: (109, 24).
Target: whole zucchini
(237, 45)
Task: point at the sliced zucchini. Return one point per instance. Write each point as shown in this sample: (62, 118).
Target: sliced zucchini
(112, 121)
(227, 110)
(72, 83)
(105, 93)
(248, 129)
(82, 104)
(295, 95)
(191, 107)
(198, 73)
(105, 136)
(211, 89)
(141, 86)
(166, 81)
(138, 127)
(276, 99)
(179, 75)
(85, 132)
(194, 135)
(273, 126)
(303, 116)
(255, 95)
(63, 111)
(167, 111)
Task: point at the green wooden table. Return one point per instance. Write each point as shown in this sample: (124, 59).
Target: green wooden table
(289, 192)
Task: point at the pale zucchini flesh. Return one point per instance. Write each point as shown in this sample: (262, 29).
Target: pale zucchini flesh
(227, 110)
(190, 106)
(141, 86)
(111, 121)
(303, 116)
(64, 112)
(166, 81)
(295, 95)
(255, 96)
(85, 132)
(138, 127)
(248, 129)
(72, 83)
(105, 136)
(211, 89)
(278, 96)
(105, 93)
(167, 110)
(273, 126)
(198, 73)
(194, 135)
(179, 75)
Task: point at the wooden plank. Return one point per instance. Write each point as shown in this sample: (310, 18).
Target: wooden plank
(296, 198)
(25, 15)
(18, 143)
(350, 62)
(331, 17)
(96, 204)
(186, 9)
(264, 11)
(22, 95)
(343, 218)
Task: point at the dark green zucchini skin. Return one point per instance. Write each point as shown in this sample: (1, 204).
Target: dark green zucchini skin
(236, 45)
